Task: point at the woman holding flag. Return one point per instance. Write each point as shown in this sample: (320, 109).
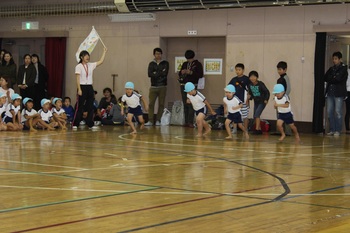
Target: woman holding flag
(85, 101)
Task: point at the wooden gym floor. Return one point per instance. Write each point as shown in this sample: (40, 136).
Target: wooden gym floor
(166, 180)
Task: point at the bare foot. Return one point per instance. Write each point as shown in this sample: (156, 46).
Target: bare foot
(199, 135)
(207, 131)
(228, 137)
(282, 137)
(142, 126)
(50, 128)
(297, 138)
(134, 132)
(33, 130)
(246, 135)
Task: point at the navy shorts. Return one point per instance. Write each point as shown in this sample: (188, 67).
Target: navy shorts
(202, 110)
(7, 119)
(135, 111)
(235, 117)
(286, 117)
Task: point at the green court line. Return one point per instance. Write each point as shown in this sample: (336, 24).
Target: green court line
(77, 177)
(74, 200)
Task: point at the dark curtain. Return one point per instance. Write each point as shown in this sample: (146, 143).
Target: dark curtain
(319, 70)
(55, 57)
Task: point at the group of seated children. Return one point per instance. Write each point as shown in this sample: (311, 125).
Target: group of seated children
(51, 115)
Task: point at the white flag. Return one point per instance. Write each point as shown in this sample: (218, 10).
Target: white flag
(89, 43)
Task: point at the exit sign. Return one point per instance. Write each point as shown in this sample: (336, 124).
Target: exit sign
(30, 25)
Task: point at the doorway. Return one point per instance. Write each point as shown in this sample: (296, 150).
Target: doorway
(204, 47)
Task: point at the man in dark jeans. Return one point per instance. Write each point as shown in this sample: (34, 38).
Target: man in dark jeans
(191, 71)
(158, 73)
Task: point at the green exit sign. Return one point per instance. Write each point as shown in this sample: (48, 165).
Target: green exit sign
(30, 25)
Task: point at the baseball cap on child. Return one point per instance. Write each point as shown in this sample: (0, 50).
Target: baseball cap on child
(55, 100)
(25, 100)
(189, 87)
(230, 88)
(129, 85)
(44, 101)
(16, 96)
(278, 88)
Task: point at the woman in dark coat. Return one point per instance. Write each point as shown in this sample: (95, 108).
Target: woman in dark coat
(40, 83)
(26, 78)
(8, 68)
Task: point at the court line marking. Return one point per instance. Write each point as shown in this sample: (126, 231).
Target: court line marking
(41, 164)
(71, 200)
(119, 213)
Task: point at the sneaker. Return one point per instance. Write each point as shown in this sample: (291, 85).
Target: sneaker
(94, 127)
(97, 123)
(157, 123)
(330, 134)
(148, 123)
(336, 134)
(74, 127)
(82, 122)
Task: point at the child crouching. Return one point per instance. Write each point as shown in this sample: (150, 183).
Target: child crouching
(199, 104)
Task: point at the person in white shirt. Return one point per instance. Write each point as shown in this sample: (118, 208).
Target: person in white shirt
(58, 113)
(84, 78)
(199, 104)
(285, 115)
(12, 116)
(132, 100)
(46, 116)
(232, 107)
(3, 98)
(30, 116)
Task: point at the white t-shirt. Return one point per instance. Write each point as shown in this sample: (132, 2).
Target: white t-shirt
(5, 91)
(45, 116)
(197, 100)
(85, 71)
(58, 112)
(28, 113)
(234, 102)
(283, 100)
(11, 107)
(132, 101)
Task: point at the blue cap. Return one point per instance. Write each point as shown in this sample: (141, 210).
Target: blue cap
(16, 96)
(44, 101)
(230, 88)
(189, 87)
(55, 100)
(278, 88)
(3, 94)
(129, 85)
(25, 100)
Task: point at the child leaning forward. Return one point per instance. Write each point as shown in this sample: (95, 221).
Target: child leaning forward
(232, 107)
(285, 115)
(200, 105)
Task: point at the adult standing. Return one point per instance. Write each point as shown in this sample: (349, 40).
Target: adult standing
(40, 83)
(336, 78)
(26, 77)
(191, 71)
(158, 73)
(8, 68)
(83, 72)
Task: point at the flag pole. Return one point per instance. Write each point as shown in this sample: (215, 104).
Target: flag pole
(99, 37)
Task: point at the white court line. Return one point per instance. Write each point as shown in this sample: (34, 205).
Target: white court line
(41, 164)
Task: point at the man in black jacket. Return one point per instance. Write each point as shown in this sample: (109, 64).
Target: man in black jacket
(336, 78)
(158, 72)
